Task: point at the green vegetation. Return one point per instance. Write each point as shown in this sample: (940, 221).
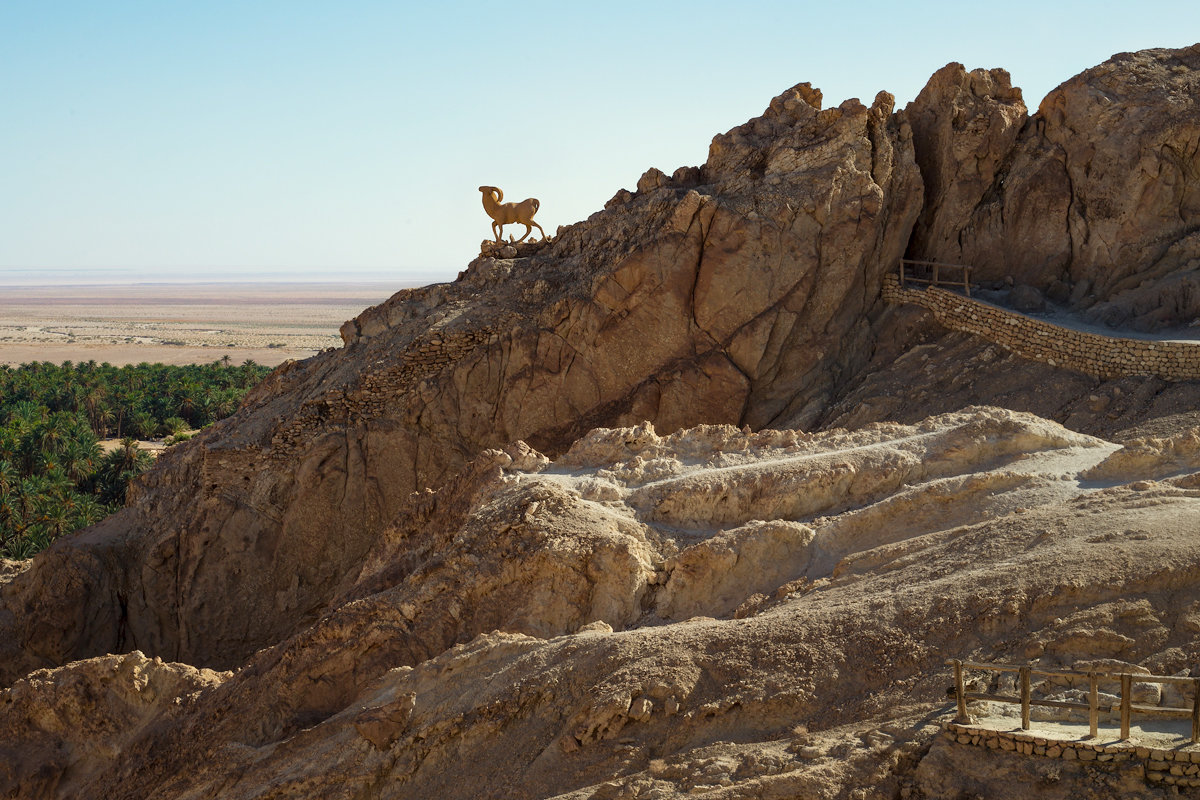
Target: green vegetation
(53, 477)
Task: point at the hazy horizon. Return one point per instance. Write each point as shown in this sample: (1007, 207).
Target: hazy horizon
(133, 276)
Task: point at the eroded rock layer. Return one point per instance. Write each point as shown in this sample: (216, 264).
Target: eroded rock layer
(705, 611)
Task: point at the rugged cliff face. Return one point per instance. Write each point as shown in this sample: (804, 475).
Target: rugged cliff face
(1095, 198)
(740, 292)
(647, 598)
(964, 124)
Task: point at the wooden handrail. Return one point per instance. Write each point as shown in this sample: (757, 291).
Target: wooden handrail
(1074, 673)
(937, 280)
(919, 262)
(1125, 706)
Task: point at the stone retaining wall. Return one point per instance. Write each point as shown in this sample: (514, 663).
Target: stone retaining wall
(1175, 766)
(1089, 353)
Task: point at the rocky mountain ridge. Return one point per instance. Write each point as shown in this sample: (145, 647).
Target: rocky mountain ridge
(626, 317)
(1093, 199)
(285, 543)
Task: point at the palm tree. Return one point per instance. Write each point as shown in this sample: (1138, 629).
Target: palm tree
(27, 543)
(119, 468)
(26, 412)
(79, 460)
(226, 403)
(188, 395)
(93, 403)
(104, 419)
(55, 432)
(53, 516)
(88, 511)
(174, 426)
(206, 408)
(29, 493)
(30, 455)
(128, 453)
(142, 425)
(10, 479)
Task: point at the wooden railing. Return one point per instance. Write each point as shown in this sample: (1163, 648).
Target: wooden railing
(1094, 678)
(934, 273)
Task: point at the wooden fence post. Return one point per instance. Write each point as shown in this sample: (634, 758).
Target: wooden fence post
(1093, 705)
(1025, 697)
(960, 691)
(1195, 710)
(902, 273)
(967, 280)
(1126, 701)
(935, 274)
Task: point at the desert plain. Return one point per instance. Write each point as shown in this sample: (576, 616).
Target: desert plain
(175, 323)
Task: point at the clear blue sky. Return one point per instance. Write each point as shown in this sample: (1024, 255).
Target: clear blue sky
(263, 138)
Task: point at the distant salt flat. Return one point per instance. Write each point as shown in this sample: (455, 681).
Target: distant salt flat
(180, 323)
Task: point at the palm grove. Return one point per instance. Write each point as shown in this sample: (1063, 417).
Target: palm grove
(54, 477)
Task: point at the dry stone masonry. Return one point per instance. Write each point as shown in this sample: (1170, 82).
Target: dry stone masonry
(1172, 766)
(1090, 353)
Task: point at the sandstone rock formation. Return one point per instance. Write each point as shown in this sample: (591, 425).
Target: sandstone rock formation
(643, 601)
(1096, 196)
(610, 623)
(965, 125)
(735, 293)
(62, 727)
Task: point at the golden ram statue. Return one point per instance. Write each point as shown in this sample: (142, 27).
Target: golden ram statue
(507, 213)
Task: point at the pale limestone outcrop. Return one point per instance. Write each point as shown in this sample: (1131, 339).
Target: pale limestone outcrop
(1152, 457)
(610, 674)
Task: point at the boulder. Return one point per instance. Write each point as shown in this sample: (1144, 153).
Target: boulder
(1026, 298)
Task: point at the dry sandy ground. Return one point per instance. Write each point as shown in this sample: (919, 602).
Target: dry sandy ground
(179, 323)
(152, 446)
